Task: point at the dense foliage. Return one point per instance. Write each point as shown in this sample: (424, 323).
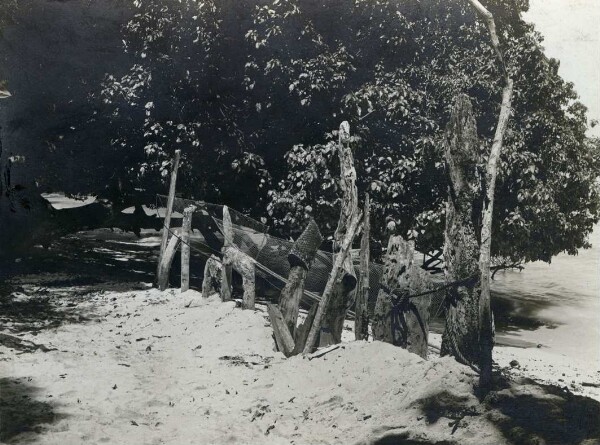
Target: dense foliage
(252, 92)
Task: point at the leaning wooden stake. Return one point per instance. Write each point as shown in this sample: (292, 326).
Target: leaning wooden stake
(167, 259)
(315, 329)
(300, 258)
(361, 317)
(169, 210)
(226, 271)
(283, 338)
(342, 297)
(186, 228)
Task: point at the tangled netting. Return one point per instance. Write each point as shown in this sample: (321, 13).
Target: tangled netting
(271, 253)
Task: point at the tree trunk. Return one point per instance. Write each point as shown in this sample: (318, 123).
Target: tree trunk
(361, 316)
(185, 247)
(342, 297)
(169, 210)
(461, 247)
(486, 320)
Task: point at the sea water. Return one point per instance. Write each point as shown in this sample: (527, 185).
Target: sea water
(555, 305)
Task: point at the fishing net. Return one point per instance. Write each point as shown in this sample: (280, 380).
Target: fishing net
(271, 253)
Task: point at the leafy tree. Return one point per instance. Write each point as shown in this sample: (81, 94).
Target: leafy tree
(251, 91)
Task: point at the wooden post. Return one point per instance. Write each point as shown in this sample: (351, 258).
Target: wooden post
(315, 329)
(300, 258)
(212, 276)
(283, 338)
(461, 247)
(342, 297)
(301, 334)
(169, 210)
(226, 283)
(185, 247)
(167, 259)
(361, 316)
(246, 267)
(398, 319)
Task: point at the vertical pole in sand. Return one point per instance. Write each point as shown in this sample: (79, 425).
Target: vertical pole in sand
(185, 247)
(169, 210)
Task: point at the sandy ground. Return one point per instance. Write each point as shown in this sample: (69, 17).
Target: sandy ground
(139, 367)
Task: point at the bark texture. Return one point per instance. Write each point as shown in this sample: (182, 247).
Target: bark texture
(461, 246)
(343, 295)
(361, 317)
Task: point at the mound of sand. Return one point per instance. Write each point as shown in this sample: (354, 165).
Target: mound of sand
(142, 368)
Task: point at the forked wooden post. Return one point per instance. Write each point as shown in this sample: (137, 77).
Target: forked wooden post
(226, 271)
(169, 210)
(186, 228)
(361, 319)
(343, 293)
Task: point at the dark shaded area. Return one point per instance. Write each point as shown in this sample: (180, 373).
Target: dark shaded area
(535, 413)
(403, 439)
(524, 411)
(21, 410)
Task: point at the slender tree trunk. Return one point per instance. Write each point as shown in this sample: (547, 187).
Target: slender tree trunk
(342, 297)
(486, 321)
(361, 317)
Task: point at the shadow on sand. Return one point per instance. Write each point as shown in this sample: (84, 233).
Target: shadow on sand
(20, 412)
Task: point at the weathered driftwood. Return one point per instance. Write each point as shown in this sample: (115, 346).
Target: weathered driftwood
(461, 247)
(226, 272)
(361, 313)
(301, 257)
(342, 297)
(283, 337)
(212, 276)
(301, 334)
(246, 267)
(185, 247)
(167, 259)
(169, 210)
(398, 319)
(334, 276)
